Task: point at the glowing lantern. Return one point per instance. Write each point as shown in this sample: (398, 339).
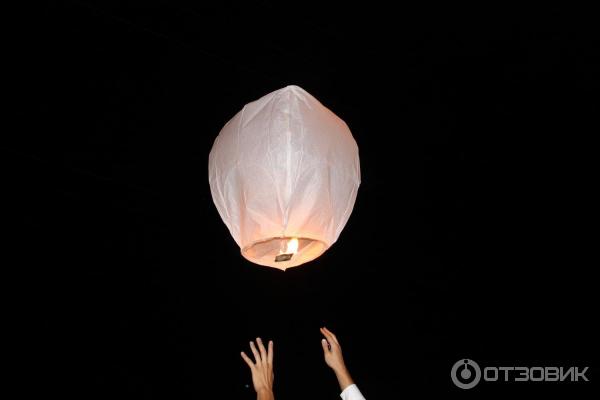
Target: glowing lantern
(284, 173)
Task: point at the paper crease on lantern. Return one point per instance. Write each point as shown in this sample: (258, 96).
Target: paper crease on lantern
(284, 174)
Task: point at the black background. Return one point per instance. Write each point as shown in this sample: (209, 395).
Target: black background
(467, 237)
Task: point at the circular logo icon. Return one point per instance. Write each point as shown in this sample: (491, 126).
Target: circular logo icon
(465, 373)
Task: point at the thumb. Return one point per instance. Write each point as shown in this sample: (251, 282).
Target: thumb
(325, 346)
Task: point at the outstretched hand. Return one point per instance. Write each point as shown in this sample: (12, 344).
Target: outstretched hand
(334, 359)
(261, 369)
(332, 350)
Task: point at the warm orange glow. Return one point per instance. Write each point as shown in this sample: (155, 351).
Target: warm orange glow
(292, 246)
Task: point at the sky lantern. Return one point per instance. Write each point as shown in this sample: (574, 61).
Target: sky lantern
(284, 173)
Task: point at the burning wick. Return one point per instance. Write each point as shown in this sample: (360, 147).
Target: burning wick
(291, 248)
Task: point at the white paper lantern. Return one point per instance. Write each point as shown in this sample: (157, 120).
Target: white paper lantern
(284, 173)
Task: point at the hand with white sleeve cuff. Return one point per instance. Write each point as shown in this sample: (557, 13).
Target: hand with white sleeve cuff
(334, 359)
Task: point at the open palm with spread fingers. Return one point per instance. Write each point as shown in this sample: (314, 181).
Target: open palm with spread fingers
(261, 369)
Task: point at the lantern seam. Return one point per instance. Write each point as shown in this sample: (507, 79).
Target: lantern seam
(218, 186)
(288, 160)
(269, 152)
(346, 215)
(229, 226)
(239, 129)
(298, 167)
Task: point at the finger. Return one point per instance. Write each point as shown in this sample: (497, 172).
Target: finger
(248, 360)
(270, 353)
(325, 346)
(332, 335)
(324, 333)
(256, 355)
(328, 335)
(261, 347)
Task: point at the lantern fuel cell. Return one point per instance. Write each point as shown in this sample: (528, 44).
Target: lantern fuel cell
(289, 247)
(283, 257)
(284, 173)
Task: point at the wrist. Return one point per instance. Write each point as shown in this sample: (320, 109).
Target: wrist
(264, 390)
(340, 370)
(265, 394)
(343, 376)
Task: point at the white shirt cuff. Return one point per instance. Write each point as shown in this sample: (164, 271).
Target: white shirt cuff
(352, 393)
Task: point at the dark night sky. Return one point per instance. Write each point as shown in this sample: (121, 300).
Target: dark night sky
(473, 127)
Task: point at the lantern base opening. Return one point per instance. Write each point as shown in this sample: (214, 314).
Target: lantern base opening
(271, 252)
